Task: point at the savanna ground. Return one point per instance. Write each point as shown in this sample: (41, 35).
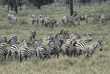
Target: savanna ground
(98, 64)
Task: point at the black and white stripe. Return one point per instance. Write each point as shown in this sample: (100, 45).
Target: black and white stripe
(24, 53)
(43, 50)
(13, 51)
(3, 51)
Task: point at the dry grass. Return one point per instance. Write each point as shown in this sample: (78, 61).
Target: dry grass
(99, 63)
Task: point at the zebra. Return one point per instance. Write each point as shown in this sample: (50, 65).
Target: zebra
(20, 50)
(34, 19)
(32, 34)
(68, 19)
(42, 19)
(13, 40)
(9, 16)
(82, 42)
(69, 47)
(3, 39)
(3, 49)
(13, 19)
(104, 18)
(43, 50)
(36, 43)
(3, 45)
(90, 48)
(24, 53)
(96, 19)
(23, 43)
(81, 17)
(51, 21)
(48, 37)
(54, 47)
(13, 50)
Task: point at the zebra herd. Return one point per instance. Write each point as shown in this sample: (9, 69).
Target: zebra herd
(62, 42)
(46, 20)
(104, 18)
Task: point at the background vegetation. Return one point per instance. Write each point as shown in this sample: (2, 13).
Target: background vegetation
(98, 64)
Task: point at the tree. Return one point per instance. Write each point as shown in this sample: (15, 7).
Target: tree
(15, 4)
(71, 7)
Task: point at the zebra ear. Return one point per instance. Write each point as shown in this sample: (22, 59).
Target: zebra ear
(90, 34)
(84, 34)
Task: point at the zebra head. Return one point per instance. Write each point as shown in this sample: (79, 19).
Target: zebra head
(63, 32)
(89, 38)
(49, 37)
(98, 44)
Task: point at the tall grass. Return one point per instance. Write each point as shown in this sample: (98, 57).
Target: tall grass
(99, 63)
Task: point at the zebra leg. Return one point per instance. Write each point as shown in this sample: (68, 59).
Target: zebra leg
(74, 54)
(92, 53)
(49, 56)
(57, 54)
(63, 53)
(25, 57)
(12, 57)
(32, 23)
(5, 56)
(86, 19)
(86, 54)
(78, 21)
(71, 54)
(8, 56)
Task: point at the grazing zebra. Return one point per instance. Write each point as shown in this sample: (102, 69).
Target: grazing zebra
(14, 19)
(90, 48)
(50, 21)
(9, 16)
(81, 17)
(68, 19)
(104, 18)
(3, 39)
(96, 19)
(34, 19)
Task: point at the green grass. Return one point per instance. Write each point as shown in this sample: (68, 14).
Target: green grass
(98, 64)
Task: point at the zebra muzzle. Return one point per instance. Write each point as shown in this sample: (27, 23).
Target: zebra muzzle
(100, 49)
